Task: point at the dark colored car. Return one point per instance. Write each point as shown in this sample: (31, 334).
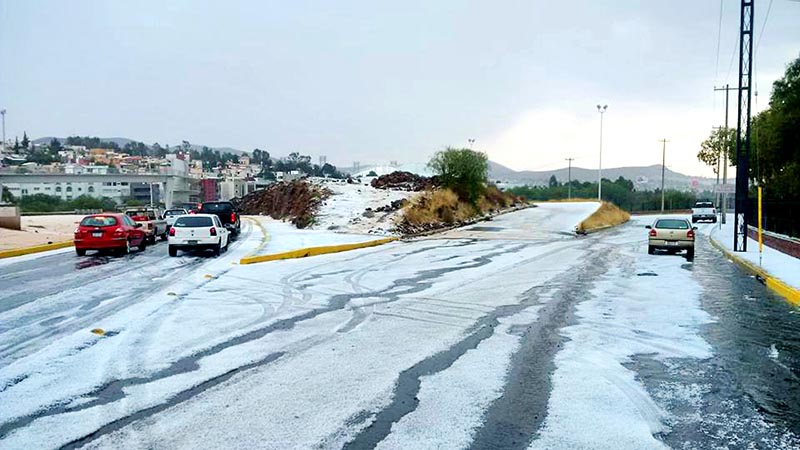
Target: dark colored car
(227, 215)
(109, 232)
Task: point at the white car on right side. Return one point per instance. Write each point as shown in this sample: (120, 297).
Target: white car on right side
(197, 232)
(704, 211)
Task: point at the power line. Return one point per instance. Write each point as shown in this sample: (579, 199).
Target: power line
(719, 39)
(763, 26)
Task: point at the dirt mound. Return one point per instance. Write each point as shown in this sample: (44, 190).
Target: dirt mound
(405, 181)
(294, 200)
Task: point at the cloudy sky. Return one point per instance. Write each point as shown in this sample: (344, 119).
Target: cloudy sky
(375, 81)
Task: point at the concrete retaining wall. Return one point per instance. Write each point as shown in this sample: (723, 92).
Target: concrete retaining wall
(9, 218)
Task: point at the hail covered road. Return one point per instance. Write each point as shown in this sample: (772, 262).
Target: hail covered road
(512, 333)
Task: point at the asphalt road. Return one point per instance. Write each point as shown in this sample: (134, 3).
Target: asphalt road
(508, 334)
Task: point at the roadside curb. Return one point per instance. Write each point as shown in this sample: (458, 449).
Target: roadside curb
(791, 294)
(314, 251)
(34, 249)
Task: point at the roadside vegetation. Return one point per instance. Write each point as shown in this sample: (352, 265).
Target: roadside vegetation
(619, 192)
(463, 193)
(607, 215)
(50, 203)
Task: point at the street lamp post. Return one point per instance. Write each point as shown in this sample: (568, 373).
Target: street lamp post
(3, 145)
(601, 110)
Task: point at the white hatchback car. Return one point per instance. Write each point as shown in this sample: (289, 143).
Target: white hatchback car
(197, 232)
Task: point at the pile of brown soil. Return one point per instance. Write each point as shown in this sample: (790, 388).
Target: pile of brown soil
(295, 200)
(405, 181)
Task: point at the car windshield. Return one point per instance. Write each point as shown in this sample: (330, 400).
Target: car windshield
(193, 222)
(217, 207)
(99, 221)
(672, 224)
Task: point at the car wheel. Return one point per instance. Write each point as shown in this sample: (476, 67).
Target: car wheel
(127, 249)
(217, 249)
(173, 251)
(143, 245)
(690, 254)
(164, 236)
(651, 250)
(80, 251)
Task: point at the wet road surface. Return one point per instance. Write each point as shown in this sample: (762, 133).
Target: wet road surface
(377, 348)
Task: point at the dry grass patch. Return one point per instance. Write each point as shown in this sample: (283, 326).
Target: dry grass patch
(607, 215)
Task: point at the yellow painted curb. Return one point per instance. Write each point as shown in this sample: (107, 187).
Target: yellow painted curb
(313, 251)
(34, 249)
(791, 294)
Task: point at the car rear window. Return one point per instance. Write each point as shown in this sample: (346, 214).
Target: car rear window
(193, 221)
(672, 224)
(704, 205)
(217, 207)
(99, 221)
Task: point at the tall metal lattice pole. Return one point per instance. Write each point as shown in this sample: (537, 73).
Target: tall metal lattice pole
(743, 126)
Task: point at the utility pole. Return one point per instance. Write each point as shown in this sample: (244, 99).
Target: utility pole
(569, 178)
(743, 126)
(727, 90)
(663, 169)
(601, 110)
(3, 148)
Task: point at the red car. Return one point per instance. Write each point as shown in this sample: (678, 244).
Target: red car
(109, 231)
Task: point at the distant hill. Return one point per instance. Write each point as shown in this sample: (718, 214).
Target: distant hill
(117, 140)
(121, 141)
(645, 177)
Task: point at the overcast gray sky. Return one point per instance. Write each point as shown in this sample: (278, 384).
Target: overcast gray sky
(376, 81)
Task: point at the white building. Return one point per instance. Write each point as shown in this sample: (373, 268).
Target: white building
(70, 190)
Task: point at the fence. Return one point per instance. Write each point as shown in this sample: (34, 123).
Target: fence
(779, 216)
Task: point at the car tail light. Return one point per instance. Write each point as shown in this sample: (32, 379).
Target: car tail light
(119, 232)
(172, 231)
(213, 231)
(653, 233)
(690, 234)
(233, 217)
(77, 231)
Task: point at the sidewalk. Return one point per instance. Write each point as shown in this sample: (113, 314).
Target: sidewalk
(775, 265)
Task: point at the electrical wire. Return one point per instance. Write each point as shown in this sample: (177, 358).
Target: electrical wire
(719, 39)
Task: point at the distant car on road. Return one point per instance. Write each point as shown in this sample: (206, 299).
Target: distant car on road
(704, 211)
(198, 232)
(672, 235)
(109, 232)
(171, 214)
(151, 221)
(227, 215)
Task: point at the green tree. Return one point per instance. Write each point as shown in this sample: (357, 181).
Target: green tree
(55, 146)
(26, 143)
(553, 181)
(721, 141)
(462, 170)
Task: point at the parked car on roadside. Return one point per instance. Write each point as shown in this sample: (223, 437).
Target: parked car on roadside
(151, 220)
(704, 211)
(109, 232)
(198, 232)
(672, 235)
(227, 215)
(171, 214)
